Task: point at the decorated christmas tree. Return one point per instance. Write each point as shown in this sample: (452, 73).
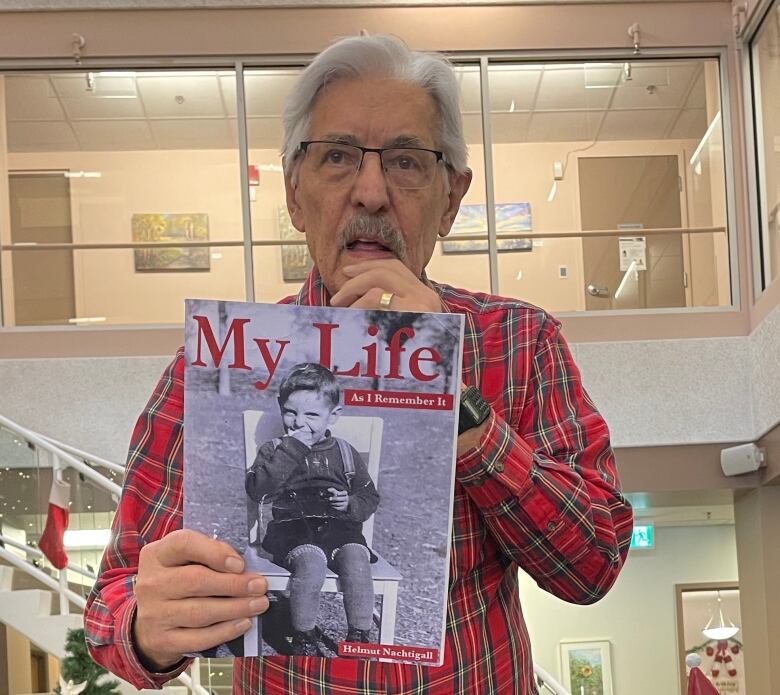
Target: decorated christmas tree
(77, 669)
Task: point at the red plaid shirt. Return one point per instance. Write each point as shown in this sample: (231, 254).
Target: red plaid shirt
(539, 493)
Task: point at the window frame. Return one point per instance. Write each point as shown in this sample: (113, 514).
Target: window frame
(484, 60)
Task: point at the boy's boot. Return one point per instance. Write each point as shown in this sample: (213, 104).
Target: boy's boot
(355, 635)
(304, 643)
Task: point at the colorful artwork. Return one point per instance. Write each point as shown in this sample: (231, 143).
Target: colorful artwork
(296, 262)
(586, 668)
(164, 227)
(472, 219)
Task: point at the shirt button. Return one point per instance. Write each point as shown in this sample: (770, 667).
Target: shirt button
(551, 526)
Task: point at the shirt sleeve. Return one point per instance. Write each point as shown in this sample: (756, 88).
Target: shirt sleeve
(363, 497)
(150, 508)
(548, 486)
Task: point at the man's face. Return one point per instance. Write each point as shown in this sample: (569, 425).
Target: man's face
(372, 113)
(310, 412)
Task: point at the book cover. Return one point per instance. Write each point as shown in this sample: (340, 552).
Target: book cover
(320, 443)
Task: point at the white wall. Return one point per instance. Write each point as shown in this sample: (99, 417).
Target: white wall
(652, 393)
(638, 615)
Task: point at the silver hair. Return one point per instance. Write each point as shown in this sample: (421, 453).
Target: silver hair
(359, 57)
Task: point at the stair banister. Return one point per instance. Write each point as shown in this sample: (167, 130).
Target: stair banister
(97, 460)
(42, 577)
(70, 460)
(38, 554)
(547, 681)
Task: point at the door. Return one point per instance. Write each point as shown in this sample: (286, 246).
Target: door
(42, 280)
(631, 193)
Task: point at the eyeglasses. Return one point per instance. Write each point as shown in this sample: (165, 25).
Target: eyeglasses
(404, 167)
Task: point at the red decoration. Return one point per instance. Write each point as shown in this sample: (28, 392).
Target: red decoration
(51, 540)
(699, 685)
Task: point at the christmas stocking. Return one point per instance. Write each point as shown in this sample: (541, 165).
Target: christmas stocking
(51, 542)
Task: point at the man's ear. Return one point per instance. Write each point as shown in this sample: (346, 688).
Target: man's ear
(291, 193)
(334, 414)
(459, 185)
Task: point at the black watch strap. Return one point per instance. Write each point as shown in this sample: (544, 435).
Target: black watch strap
(474, 409)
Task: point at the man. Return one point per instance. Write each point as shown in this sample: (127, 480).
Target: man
(375, 169)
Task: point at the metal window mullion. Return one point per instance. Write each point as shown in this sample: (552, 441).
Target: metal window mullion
(243, 157)
(487, 148)
(728, 180)
(751, 118)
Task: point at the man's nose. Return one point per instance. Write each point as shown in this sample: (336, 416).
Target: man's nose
(369, 190)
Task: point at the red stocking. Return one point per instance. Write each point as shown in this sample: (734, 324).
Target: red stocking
(51, 542)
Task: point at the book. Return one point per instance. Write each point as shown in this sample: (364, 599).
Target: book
(322, 440)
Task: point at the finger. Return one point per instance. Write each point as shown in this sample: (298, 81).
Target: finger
(381, 279)
(392, 264)
(370, 300)
(183, 547)
(197, 580)
(199, 612)
(189, 640)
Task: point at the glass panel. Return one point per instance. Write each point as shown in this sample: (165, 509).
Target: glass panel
(766, 75)
(112, 290)
(456, 262)
(147, 157)
(589, 155)
(20, 491)
(279, 270)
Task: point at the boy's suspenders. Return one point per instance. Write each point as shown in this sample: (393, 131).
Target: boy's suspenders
(347, 459)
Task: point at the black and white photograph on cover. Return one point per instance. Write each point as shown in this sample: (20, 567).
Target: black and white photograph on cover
(320, 443)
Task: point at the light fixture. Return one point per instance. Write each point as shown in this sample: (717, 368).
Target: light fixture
(722, 629)
(705, 137)
(558, 169)
(625, 278)
(87, 538)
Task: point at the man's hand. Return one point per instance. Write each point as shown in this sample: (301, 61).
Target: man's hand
(192, 594)
(370, 279)
(339, 499)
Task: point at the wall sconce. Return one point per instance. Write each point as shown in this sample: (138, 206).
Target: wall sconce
(718, 628)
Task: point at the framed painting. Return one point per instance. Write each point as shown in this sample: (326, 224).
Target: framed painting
(165, 227)
(472, 219)
(586, 667)
(296, 262)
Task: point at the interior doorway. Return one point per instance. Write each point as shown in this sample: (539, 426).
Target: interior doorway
(631, 193)
(43, 284)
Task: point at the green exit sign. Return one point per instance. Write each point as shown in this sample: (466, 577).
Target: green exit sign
(643, 536)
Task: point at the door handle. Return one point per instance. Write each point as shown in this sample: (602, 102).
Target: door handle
(595, 291)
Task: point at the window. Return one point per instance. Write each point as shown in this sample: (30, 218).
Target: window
(102, 161)
(613, 175)
(765, 61)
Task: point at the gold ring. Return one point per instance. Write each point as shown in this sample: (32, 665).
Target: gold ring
(385, 299)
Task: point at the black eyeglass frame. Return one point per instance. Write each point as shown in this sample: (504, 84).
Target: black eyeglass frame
(379, 150)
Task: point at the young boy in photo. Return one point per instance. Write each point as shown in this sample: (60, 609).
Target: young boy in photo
(321, 494)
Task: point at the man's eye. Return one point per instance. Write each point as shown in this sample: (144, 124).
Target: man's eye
(404, 162)
(338, 157)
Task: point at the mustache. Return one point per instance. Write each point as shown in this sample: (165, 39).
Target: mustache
(373, 228)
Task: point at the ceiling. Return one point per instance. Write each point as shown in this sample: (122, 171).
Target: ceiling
(108, 111)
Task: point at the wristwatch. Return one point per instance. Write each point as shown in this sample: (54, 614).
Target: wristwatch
(474, 409)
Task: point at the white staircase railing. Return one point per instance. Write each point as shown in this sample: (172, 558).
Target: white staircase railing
(65, 456)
